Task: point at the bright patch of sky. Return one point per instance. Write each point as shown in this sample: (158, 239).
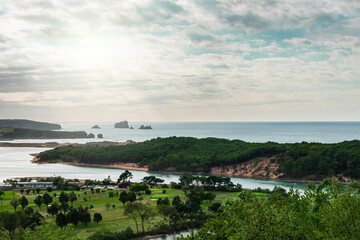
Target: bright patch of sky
(184, 60)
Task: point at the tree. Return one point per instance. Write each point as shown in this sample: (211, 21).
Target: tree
(23, 202)
(125, 176)
(132, 196)
(73, 216)
(176, 200)
(38, 200)
(38, 190)
(61, 220)
(22, 191)
(15, 203)
(47, 199)
(2, 193)
(97, 218)
(124, 198)
(106, 181)
(215, 207)
(53, 209)
(27, 191)
(111, 194)
(84, 215)
(107, 205)
(139, 187)
(152, 180)
(10, 222)
(63, 198)
(72, 197)
(138, 209)
(209, 196)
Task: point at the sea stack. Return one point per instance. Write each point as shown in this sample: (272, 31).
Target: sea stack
(123, 124)
(91, 135)
(95, 127)
(145, 127)
(100, 135)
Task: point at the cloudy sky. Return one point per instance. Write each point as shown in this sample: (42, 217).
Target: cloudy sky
(184, 60)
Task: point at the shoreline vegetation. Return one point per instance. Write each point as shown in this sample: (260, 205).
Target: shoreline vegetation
(299, 162)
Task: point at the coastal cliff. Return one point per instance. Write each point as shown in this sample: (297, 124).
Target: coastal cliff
(28, 124)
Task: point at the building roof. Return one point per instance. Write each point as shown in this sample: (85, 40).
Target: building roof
(47, 183)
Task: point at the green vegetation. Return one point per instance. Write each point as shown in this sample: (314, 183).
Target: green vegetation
(100, 219)
(200, 155)
(214, 204)
(327, 211)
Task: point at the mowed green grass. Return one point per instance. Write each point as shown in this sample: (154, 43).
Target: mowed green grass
(113, 218)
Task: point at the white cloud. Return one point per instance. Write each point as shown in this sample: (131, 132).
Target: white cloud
(248, 56)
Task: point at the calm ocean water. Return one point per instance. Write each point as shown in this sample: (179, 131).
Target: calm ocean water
(283, 132)
(15, 162)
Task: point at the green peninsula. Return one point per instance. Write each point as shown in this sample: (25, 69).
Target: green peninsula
(298, 161)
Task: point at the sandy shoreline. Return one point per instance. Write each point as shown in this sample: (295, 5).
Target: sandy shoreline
(128, 166)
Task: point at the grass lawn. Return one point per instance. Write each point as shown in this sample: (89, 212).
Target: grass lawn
(113, 218)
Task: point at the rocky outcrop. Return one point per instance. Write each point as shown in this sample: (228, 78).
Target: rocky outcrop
(131, 128)
(145, 127)
(21, 133)
(123, 124)
(95, 127)
(100, 135)
(28, 124)
(91, 135)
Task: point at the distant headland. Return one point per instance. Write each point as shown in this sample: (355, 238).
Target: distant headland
(22, 133)
(28, 124)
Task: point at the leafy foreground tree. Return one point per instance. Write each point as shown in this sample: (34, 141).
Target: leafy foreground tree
(14, 223)
(50, 231)
(327, 211)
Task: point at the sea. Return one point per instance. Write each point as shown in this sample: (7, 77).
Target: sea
(16, 162)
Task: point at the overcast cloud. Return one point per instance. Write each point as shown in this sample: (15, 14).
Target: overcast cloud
(184, 60)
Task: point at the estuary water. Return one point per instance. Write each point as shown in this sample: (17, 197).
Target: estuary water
(15, 162)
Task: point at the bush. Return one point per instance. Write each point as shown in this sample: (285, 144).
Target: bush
(148, 192)
(122, 235)
(163, 191)
(164, 186)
